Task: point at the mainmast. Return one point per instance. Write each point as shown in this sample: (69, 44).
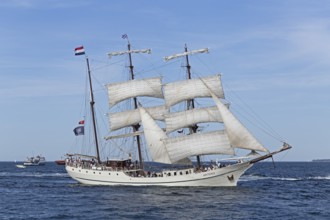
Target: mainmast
(135, 102)
(190, 102)
(92, 102)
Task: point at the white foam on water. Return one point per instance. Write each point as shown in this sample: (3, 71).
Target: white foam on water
(255, 178)
(320, 177)
(31, 174)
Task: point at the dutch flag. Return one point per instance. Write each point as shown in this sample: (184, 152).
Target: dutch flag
(79, 51)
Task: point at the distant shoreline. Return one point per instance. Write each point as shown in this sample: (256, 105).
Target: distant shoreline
(321, 160)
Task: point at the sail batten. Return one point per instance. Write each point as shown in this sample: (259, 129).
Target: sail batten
(215, 142)
(192, 88)
(178, 120)
(151, 87)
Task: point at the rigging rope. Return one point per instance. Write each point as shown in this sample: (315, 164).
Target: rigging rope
(264, 126)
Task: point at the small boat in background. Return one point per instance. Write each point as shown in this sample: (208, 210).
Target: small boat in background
(20, 166)
(35, 161)
(60, 162)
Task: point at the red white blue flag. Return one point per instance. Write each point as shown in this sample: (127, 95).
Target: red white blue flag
(79, 51)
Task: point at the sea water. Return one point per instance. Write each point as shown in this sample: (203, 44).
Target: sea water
(290, 190)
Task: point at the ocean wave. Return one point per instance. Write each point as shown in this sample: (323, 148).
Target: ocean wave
(286, 178)
(320, 178)
(31, 174)
(259, 177)
(252, 178)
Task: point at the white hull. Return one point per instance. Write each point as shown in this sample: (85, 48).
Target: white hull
(20, 166)
(225, 176)
(34, 164)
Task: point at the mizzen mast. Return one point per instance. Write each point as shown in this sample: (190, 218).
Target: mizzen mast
(81, 51)
(92, 102)
(132, 76)
(190, 102)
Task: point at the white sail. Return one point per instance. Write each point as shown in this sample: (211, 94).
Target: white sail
(153, 135)
(238, 135)
(215, 142)
(118, 92)
(193, 88)
(188, 118)
(123, 119)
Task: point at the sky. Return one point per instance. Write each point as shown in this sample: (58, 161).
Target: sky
(274, 55)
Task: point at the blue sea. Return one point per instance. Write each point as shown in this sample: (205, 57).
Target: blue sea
(291, 190)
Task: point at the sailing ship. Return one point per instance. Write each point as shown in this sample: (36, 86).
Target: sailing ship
(165, 141)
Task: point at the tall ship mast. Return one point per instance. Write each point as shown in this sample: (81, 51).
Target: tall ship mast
(135, 126)
(159, 126)
(190, 102)
(92, 103)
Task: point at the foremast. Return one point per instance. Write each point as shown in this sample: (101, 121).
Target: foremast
(136, 126)
(190, 102)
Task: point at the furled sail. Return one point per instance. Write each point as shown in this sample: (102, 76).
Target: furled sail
(238, 135)
(215, 142)
(123, 119)
(193, 88)
(153, 135)
(118, 92)
(205, 50)
(148, 51)
(188, 118)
